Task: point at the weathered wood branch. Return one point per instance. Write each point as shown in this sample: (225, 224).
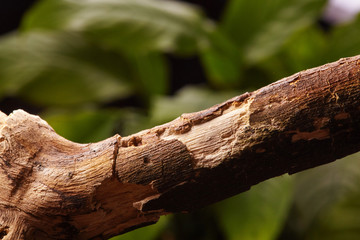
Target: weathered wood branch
(52, 188)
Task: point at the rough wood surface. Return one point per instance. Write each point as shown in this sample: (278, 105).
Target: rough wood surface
(52, 188)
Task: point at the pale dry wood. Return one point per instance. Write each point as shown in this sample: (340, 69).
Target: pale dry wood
(52, 188)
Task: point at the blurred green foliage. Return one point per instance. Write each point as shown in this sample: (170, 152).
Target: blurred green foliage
(76, 58)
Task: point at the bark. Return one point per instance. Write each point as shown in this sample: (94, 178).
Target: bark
(52, 188)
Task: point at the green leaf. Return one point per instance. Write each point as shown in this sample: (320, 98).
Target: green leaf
(151, 70)
(259, 213)
(326, 201)
(260, 28)
(311, 47)
(344, 41)
(83, 125)
(304, 50)
(222, 61)
(131, 25)
(188, 99)
(61, 69)
(145, 233)
(134, 121)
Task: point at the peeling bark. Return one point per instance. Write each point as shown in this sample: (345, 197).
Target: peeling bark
(56, 189)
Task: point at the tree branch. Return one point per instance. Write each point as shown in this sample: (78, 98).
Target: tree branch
(56, 189)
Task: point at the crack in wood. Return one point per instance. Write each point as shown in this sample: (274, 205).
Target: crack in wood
(116, 154)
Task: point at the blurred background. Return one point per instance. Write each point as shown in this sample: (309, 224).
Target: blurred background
(93, 68)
